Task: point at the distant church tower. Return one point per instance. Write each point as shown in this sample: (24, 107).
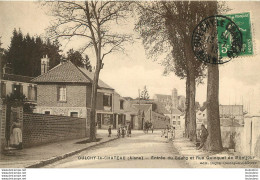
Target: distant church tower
(174, 98)
(45, 64)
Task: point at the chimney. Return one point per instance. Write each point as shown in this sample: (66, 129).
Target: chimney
(45, 64)
(63, 60)
(7, 69)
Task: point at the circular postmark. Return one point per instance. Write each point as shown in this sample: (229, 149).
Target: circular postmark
(216, 40)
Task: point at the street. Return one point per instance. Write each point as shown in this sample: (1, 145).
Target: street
(139, 151)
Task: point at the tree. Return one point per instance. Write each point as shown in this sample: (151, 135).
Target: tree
(76, 58)
(2, 51)
(166, 29)
(87, 63)
(91, 21)
(25, 53)
(214, 142)
(144, 94)
(14, 54)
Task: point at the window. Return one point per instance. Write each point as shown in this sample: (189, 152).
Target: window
(47, 112)
(178, 123)
(121, 104)
(74, 114)
(107, 100)
(17, 89)
(62, 93)
(173, 122)
(203, 115)
(30, 92)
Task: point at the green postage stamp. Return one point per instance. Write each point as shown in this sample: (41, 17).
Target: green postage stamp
(242, 20)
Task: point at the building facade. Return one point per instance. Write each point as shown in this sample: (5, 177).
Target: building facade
(67, 89)
(17, 84)
(173, 101)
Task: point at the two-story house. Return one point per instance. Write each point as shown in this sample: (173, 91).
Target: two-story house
(66, 90)
(17, 84)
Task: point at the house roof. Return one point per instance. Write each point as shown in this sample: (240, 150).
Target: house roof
(143, 107)
(176, 111)
(231, 109)
(161, 115)
(68, 73)
(18, 78)
(163, 96)
(89, 74)
(160, 108)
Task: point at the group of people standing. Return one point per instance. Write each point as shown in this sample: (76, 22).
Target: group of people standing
(169, 133)
(121, 131)
(124, 131)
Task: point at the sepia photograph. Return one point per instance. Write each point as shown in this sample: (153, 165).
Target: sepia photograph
(129, 84)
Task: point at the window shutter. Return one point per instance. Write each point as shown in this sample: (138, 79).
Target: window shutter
(4, 89)
(65, 93)
(12, 88)
(35, 93)
(29, 92)
(58, 93)
(21, 88)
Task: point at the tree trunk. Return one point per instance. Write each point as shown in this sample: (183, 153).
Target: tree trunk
(187, 104)
(192, 108)
(191, 80)
(214, 142)
(93, 106)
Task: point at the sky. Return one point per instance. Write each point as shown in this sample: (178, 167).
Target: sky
(126, 73)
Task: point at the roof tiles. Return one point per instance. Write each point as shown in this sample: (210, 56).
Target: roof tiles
(68, 73)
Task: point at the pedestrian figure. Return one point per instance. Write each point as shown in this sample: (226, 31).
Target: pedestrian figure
(203, 136)
(166, 131)
(118, 132)
(123, 132)
(163, 132)
(129, 130)
(152, 128)
(109, 131)
(16, 136)
(170, 135)
(173, 133)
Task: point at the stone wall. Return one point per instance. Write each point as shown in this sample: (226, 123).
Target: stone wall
(246, 139)
(62, 111)
(40, 129)
(232, 137)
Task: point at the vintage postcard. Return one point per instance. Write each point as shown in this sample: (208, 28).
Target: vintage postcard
(129, 84)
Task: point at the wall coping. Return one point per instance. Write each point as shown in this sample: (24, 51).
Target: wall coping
(50, 115)
(252, 115)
